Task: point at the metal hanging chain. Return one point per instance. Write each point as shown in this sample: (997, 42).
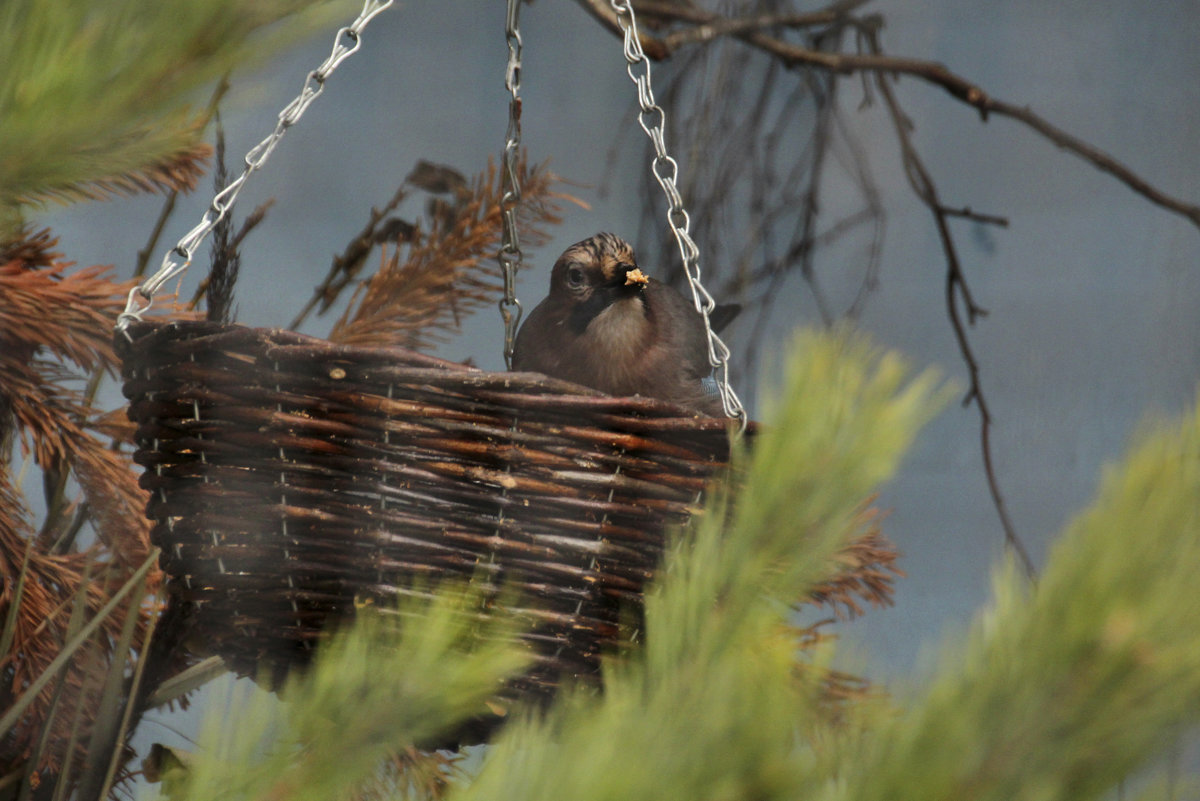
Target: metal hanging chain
(177, 259)
(653, 120)
(510, 255)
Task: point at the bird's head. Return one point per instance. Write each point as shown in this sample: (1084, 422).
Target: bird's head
(602, 264)
(593, 274)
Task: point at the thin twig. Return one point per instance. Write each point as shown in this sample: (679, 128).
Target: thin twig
(346, 266)
(872, 212)
(709, 26)
(971, 94)
(164, 214)
(811, 204)
(929, 71)
(707, 31)
(966, 212)
(957, 291)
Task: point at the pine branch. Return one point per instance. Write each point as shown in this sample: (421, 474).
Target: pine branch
(52, 422)
(866, 570)
(68, 315)
(426, 287)
(391, 681)
(45, 599)
(44, 306)
(94, 104)
(1065, 690)
(176, 172)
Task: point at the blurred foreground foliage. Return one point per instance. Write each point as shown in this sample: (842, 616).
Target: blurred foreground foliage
(94, 96)
(1059, 691)
(96, 100)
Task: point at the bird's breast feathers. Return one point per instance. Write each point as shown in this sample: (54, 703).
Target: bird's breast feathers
(622, 329)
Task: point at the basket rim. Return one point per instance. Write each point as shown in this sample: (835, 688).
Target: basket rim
(535, 390)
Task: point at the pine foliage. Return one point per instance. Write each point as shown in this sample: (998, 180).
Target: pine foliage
(1063, 692)
(379, 688)
(434, 278)
(92, 100)
(55, 326)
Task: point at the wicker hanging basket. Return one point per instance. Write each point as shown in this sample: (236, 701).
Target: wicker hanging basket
(291, 477)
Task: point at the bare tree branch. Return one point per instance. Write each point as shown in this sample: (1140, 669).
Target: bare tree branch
(957, 292)
(811, 44)
(750, 31)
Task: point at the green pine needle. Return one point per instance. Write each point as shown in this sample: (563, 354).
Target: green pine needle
(93, 96)
(1063, 692)
(373, 690)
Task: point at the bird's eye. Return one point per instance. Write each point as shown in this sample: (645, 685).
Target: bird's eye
(574, 277)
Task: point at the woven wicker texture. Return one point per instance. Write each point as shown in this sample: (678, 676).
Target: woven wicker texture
(290, 477)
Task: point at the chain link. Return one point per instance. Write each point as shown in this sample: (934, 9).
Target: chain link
(653, 121)
(178, 258)
(510, 255)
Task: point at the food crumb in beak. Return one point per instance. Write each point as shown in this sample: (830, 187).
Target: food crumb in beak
(636, 276)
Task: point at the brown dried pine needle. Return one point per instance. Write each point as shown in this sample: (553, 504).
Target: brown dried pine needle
(178, 172)
(54, 584)
(55, 324)
(434, 278)
(866, 570)
(69, 316)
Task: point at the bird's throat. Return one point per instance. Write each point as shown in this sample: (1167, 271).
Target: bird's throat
(627, 303)
(617, 337)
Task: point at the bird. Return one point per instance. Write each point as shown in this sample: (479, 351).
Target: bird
(607, 325)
